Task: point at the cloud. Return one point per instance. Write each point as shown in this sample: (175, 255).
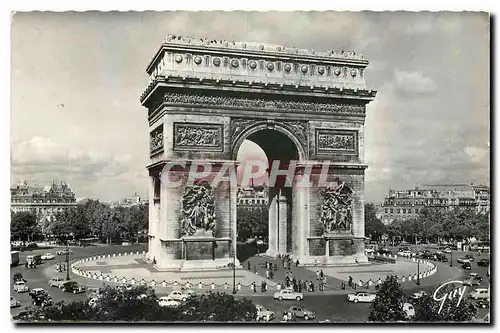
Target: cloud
(477, 154)
(413, 83)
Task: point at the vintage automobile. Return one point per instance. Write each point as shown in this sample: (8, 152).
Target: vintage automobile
(73, 287)
(57, 281)
(48, 256)
(264, 314)
(447, 250)
(21, 287)
(470, 257)
(361, 297)
(177, 295)
(168, 302)
(63, 252)
(301, 312)
(37, 292)
(418, 295)
(288, 294)
(483, 262)
(14, 303)
(480, 293)
(18, 277)
(93, 302)
(483, 303)
(43, 300)
(462, 260)
(409, 310)
(466, 265)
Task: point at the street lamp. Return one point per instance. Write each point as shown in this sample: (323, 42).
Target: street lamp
(67, 259)
(234, 269)
(418, 262)
(451, 257)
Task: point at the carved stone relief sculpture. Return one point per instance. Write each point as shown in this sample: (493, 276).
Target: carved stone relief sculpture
(336, 210)
(198, 210)
(197, 136)
(156, 140)
(336, 141)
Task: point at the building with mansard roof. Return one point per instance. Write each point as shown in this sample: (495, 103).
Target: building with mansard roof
(407, 204)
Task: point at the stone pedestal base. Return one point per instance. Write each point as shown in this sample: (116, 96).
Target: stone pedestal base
(197, 265)
(331, 260)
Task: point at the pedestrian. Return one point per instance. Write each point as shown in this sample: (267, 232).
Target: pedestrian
(266, 264)
(321, 274)
(254, 287)
(350, 281)
(276, 267)
(26, 265)
(249, 265)
(317, 275)
(312, 286)
(267, 273)
(284, 315)
(255, 269)
(297, 263)
(300, 286)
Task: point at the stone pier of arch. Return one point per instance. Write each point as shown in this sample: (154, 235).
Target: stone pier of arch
(204, 100)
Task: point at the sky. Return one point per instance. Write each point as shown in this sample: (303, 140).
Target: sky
(76, 79)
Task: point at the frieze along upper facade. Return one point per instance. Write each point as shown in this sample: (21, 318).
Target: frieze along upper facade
(191, 136)
(344, 142)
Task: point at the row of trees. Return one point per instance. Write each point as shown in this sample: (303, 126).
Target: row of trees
(141, 304)
(388, 306)
(89, 219)
(431, 225)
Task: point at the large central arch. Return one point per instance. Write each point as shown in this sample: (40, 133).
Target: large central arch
(205, 98)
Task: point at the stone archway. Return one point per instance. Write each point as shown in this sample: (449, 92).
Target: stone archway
(204, 99)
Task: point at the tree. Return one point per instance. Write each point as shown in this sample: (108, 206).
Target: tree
(141, 304)
(426, 309)
(388, 304)
(22, 225)
(373, 225)
(252, 222)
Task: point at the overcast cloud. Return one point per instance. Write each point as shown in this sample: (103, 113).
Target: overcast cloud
(77, 78)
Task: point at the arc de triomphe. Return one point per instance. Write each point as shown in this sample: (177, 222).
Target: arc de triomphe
(204, 98)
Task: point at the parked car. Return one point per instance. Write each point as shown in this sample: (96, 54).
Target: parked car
(361, 297)
(48, 256)
(21, 287)
(288, 294)
(43, 300)
(466, 265)
(405, 253)
(441, 257)
(264, 314)
(480, 293)
(63, 252)
(462, 260)
(37, 292)
(73, 287)
(57, 281)
(384, 251)
(301, 312)
(483, 303)
(409, 310)
(418, 295)
(447, 250)
(14, 303)
(369, 251)
(484, 262)
(168, 302)
(179, 296)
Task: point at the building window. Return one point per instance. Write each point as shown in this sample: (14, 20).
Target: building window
(392, 210)
(399, 211)
(386, 210)
(404, 211)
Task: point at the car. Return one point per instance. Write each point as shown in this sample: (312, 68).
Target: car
(409, 310)
(168, 302)
(126, 287)
(418, 295)
(48, 256)
(264, 314)
(447, 250)
(404, 253)
(142, 296)
(190, 292)
(364, 297)
(93, 302)
(18, 277)
(480, 293)
(14, 303)
(466, 265)
(21, 287)
(470, 257)
(73, 287)
(177, 295)
(384, 251)
(288, 294)
(483, 303)
(301, 312)
(370, 251)
(63, 252)
(462, 260)
(57, 281)
(43, 300)
(37, 292)
(125, 243)
(483, 262)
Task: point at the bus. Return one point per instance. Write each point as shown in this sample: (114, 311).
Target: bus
(34, 259)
